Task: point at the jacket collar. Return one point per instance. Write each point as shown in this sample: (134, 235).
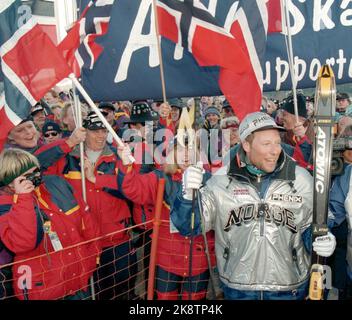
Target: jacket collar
(285, 169)
(105, 153)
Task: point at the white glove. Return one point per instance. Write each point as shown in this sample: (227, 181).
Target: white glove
(192, 179)
(324, 246)
(124, 153)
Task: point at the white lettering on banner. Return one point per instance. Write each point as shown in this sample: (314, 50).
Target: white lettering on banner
(347, 13)
(321, 19)
(296, 17)
(267, 73)
(330, 62)
(281, 76)
(303, 67)
(350, 70)
(297, 64)
(321, 15)
(341, 60)
(137, 40)
(313, 73)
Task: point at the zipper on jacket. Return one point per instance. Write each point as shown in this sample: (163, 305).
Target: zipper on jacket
(259, 178)
(261, 214)
(226, 256)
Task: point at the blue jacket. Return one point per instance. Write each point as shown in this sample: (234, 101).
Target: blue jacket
(339, 192)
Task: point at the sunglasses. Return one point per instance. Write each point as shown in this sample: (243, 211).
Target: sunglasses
(227, 110)
(54, 134)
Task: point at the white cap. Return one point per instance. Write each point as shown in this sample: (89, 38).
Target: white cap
(257, 121)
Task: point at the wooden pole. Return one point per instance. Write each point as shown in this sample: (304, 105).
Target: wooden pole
(162, 77)
(156, 226)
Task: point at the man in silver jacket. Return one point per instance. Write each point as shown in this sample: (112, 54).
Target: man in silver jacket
(261, 211)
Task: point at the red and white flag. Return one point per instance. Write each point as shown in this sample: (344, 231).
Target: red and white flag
(30, 63)
(237, 47)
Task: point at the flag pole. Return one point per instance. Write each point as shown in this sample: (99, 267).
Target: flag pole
(155, 239)
(97, 111)
(81, 145)
(290, 59)
(162, 77)
(83, 175)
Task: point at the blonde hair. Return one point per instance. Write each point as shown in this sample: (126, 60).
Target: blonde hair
(15, 162)
(63, 114)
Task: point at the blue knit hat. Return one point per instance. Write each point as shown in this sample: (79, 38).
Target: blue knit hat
(212, 110)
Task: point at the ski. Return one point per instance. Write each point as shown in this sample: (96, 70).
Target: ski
(325, 102)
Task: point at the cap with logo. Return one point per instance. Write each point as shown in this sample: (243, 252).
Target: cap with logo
(342, 96)
(93, 122)
(257, 121)
(106, 105)
(176, 102)
(37, 108)
(226, 104)
(51, 126)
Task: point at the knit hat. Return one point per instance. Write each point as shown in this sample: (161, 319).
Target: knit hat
(229, 122)
(301, 105)
(141, 112)
(212, 110)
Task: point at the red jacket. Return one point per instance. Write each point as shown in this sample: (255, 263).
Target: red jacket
(110, 211)
(48, 274)
(173, 249)
(144, 164)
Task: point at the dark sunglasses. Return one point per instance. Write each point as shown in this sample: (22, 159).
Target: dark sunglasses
(54, 134)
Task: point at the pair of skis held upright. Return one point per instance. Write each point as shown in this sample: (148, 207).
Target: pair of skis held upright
(324, 113)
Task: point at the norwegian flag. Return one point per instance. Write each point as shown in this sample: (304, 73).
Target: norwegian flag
(30, 64)
(79, 46)
(237, 48)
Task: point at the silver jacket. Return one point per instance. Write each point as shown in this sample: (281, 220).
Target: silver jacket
(259, 242)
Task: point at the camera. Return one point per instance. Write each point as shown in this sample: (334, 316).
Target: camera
(339, 146)
(35, 177)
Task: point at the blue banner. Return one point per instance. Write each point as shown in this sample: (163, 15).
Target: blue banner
(320, 34)
(129, 69)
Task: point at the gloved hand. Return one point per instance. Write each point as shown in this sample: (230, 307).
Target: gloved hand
(124, 153)
(192, 179)
(324, 246)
